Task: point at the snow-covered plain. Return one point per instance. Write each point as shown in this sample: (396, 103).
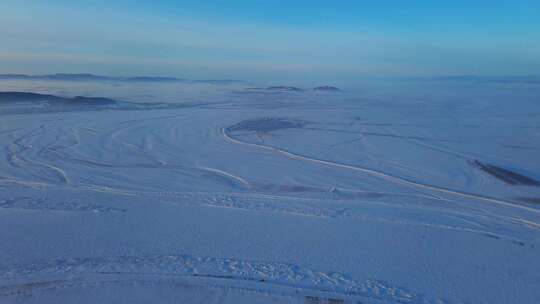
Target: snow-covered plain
(403, 193)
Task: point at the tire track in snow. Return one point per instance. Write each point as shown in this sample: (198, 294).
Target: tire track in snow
(264, 276)
(227, 174)
(310, 207)
(15, 158)
(379, 174)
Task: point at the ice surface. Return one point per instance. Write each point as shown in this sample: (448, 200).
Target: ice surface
(200, 193)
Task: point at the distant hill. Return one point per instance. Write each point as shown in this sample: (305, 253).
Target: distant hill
(154, 79)
(74, 77)
(56, 77)
(284, 88)
(92, 77)
(35, 97)
(326, 88)
(26, 103)
(24, 96)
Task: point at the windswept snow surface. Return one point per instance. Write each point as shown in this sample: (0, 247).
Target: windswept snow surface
(405, 193)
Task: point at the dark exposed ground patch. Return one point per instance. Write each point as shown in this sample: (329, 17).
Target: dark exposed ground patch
(267, 124)
(505, 175)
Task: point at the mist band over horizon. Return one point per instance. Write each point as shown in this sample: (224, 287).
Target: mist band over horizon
(268, 41)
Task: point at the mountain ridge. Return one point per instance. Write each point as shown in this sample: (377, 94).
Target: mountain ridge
(94, 77)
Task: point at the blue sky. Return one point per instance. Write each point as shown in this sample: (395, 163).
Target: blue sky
(271, 39)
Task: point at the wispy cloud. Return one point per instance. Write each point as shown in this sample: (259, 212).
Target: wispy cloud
(77, 38)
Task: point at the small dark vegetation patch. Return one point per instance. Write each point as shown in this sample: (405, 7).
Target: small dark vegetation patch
(267, 124)
(505, 175)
